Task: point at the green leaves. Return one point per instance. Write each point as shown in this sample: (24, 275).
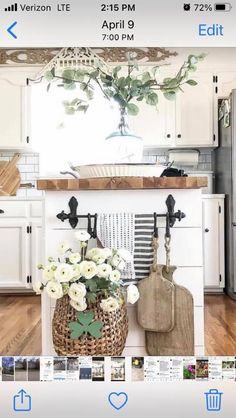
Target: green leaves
(152, 99)
(132, 109)
(75, 106)
(124, 84)
(116, 71)
(146, 77)
(49, 76)
(85, 325)
(191, 82)
(170, 95)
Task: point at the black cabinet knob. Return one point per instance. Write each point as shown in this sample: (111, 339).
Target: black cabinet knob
(207, 230)
(179, 136)
(168, 135)
(1, 211)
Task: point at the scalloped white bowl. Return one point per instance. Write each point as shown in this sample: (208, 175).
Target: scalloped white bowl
(119, 170)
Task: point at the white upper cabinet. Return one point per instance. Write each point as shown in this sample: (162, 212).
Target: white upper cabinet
(195, 113)
(155, 124)
(189, 121)
(15, 107)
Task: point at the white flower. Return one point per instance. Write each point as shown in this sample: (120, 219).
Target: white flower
(64, 273)
(104, 270)
(63, 248)
(82, 235)
(92, 252)
(109, 305)
(106, 252)
(88, 269)
(54, 289)
(125, 254)
(98, 259)
(115, 276)
(48, 273)
(38, 287)
(132, 294)
(77, 291)
(76, 271)
(79, 305)
(118, 262)
(75, 258)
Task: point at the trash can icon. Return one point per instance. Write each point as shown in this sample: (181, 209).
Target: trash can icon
(213, 400)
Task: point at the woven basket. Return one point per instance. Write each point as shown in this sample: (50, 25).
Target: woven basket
(114, 332)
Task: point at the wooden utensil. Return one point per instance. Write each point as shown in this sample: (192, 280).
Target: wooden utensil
(156, 306)
(9, 177)
(179, 341)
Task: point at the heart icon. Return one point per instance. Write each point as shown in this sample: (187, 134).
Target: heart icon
(118, 400)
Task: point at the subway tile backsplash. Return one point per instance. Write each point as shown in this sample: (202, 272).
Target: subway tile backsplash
(29, 169)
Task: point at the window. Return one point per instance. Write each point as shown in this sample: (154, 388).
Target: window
(61, 138)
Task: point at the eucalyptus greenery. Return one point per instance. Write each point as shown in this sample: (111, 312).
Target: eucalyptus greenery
(127, 90)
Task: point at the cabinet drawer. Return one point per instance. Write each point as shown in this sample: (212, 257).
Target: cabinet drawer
(13, 209)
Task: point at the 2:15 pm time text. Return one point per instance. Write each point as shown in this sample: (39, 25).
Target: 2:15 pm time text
(115, 7)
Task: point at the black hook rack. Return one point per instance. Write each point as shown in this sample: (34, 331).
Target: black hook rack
(73, 217)
(171, 216)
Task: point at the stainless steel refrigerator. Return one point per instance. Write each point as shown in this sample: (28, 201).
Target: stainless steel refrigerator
(225, 182)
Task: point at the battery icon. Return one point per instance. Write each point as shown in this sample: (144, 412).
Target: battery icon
(222, 7)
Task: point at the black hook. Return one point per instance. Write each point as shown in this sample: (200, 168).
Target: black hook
(170, 203)
(89, 228)
(94, 233)
(73, 217)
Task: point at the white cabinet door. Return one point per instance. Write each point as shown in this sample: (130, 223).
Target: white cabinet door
(226, 83)
(155, 124)
(36, 251)
(213, 242)
(14, 252)
(195, 112)
(14, 108)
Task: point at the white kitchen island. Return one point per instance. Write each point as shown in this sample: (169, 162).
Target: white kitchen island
(117, 197)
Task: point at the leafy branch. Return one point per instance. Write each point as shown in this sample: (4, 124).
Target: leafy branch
(127, 90)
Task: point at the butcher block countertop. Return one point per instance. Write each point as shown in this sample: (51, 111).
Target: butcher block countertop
(122, 183)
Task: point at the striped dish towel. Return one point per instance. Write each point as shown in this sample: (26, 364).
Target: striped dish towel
(143, 251)
(116, 230)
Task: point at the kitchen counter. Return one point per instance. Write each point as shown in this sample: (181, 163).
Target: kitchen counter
(122, 183)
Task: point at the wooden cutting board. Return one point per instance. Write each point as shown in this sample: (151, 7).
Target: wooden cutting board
(156, 305)
(179, 341)
(9, 177)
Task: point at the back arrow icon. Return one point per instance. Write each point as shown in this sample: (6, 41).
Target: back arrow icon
(9, 30)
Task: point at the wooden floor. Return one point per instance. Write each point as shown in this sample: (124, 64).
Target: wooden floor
(20, 325)
(220, 325)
